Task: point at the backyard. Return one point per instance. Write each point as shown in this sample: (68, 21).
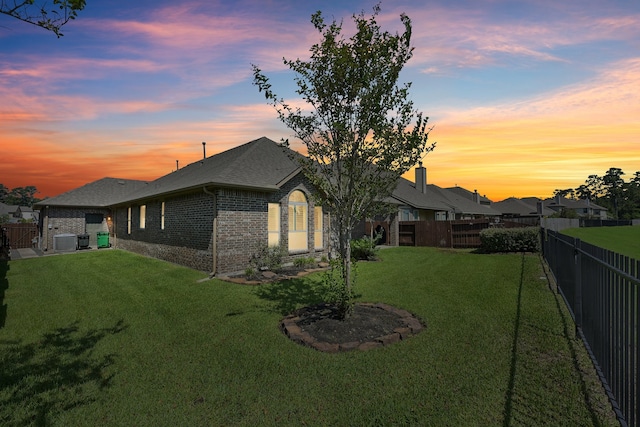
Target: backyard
(112, 338)
(624, 240)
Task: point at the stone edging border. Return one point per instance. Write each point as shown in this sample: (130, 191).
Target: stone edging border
(412, 326)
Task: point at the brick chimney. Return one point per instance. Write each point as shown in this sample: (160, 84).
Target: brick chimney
(421, 178)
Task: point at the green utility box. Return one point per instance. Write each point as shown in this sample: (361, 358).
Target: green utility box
(103, 239)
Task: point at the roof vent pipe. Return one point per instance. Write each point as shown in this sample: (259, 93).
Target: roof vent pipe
(204, 150)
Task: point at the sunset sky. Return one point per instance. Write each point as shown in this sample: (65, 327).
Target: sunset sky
(525, 96)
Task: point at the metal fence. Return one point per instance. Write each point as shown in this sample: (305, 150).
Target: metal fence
(601, 290)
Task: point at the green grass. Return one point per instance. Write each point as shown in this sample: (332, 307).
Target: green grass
(624, 240)
(110, 338)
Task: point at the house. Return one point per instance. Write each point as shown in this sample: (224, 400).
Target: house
(16, 214)
(420, 201)
(584, 208)
(6, 212)
(471, 195)
(527, 210)
(424, 201)
(214, 214)
(211, 215)
(86, 209)
(26, 213)
(530, 209)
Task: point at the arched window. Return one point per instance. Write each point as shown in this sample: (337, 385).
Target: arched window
(298, 219)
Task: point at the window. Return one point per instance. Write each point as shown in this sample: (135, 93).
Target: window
(274, 224)
(408, 214)
(162, 216)
(143, 216)
(317, 227)
(298, 221)
(129, 220)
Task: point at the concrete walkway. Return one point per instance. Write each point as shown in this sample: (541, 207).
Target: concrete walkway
(24, 253)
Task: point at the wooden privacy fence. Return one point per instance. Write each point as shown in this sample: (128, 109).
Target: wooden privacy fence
(448, 234)
(20, 235)
(601, 290)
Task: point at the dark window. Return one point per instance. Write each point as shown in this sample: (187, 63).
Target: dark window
(93, 218)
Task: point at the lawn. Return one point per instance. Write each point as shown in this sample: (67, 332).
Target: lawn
(111, 338)
(624, 240)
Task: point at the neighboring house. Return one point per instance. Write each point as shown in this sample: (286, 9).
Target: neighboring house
(17, 214)
(7, 211)
(527, 210)
(471, 195)
(25, 213)
(584, 208)
(84, 210)
(420, 201)
(214, 214)
(423, 201)
(532, 208)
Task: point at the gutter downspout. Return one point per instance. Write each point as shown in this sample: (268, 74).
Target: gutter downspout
(214, 232)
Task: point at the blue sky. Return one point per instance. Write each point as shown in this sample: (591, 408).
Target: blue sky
(525, 96)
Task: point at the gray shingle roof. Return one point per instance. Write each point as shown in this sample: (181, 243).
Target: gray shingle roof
(261, 164)
(461, 204)
(522, 207)
(572, 204)
(438, 199)
(101, 193)
(467, 194)
(407, 193)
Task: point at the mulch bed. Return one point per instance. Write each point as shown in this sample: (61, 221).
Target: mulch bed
(369, 326)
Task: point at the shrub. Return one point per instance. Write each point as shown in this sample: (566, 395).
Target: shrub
(268, 257)
(363, 249)
(510, 239)
(303, 262)
(250, 272)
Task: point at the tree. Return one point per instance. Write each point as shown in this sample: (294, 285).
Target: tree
(568, 193)
(613, 184)
(48, 15)
(22, 196)
(361, 131)
(3, 193)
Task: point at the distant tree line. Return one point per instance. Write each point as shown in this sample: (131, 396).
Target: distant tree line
(19, 196)
(611, 191)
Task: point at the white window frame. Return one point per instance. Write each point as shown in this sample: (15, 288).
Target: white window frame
(298, 230)
(318, 235)
(129, 220)
(162, 216)
(273, 224)
(143, 216)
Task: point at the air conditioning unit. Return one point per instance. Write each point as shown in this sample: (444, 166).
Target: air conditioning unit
(65, 242)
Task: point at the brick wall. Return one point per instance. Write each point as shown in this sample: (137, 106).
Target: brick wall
(186, 237)
(241, 221)
(60, 220)
(242, 227)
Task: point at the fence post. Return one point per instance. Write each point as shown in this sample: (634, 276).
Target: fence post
(577, 310)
